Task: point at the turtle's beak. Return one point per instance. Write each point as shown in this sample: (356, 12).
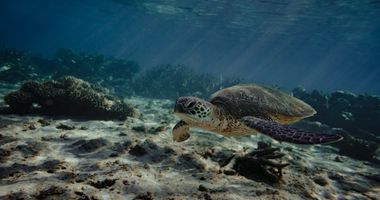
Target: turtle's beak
(179, 108)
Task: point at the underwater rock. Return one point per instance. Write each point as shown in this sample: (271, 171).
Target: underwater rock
(149, 151)
(97, 148)
(110, 72)
(83, 196)
(344, 109)
(44, 122)
(320, 180)
(144, 196)
(49, 192)
(91, 67)
(65, 127)
(30, 149)
(4, 154)
(4, 122)
(138, 150)
(150, 130)
(17, 196)
(122, 134)
(140, 128)
(121, 147)
(351, 145)
(16, 66)
(203, 188)
(67, 96)
(4, 139)
(32, 127)
(358, 148)
(87, 146)
(16, 168)
(191, 161)
(357, 115)
(106, 183)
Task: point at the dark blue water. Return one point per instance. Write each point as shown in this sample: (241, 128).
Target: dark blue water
(327, 45)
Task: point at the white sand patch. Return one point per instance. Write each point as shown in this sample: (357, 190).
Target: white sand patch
(116, 160)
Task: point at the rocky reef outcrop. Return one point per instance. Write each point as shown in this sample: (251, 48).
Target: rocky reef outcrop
(17, 66)
(172, 81)
(357, 116)
(93, 67)
(67, 96)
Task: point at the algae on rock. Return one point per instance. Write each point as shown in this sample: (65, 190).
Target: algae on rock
(67, 96)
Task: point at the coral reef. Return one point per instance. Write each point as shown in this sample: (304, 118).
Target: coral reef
(67, 96)
(344, 109)
(93, 68)
(172, 81)
(118, 75)
(16, 66)
(357, 115)
(258, 164)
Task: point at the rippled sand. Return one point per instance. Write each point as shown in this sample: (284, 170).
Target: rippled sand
(60, 158)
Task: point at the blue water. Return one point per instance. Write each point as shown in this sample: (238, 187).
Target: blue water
(328, 45)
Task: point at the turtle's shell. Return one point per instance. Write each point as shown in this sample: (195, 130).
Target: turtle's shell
(262, 102)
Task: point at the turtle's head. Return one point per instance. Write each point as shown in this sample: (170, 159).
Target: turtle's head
(193, 109)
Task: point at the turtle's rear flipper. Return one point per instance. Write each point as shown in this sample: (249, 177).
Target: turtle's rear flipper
(288, 134)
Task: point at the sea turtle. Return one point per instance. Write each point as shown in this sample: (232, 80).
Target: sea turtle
(245, 110)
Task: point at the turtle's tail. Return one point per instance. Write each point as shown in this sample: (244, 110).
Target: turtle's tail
(289, 134)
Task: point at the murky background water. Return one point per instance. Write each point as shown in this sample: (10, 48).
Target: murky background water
(326, 45)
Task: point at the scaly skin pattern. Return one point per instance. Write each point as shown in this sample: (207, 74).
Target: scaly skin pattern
(195, 112)
(246, 110)
(219, 122)
(227, 125)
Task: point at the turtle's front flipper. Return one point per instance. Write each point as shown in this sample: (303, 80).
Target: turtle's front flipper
(288, 134)
(181, 131)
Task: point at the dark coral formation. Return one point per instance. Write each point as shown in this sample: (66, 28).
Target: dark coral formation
(16, 66)
(259, 164)
(93, 68)
(67, 96)
(119, 75)
(344, 109)
(172, 81)
(357, 115)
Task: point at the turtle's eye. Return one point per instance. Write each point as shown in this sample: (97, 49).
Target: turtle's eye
(191, 105)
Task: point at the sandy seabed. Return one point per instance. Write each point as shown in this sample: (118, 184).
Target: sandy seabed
(60, 158)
